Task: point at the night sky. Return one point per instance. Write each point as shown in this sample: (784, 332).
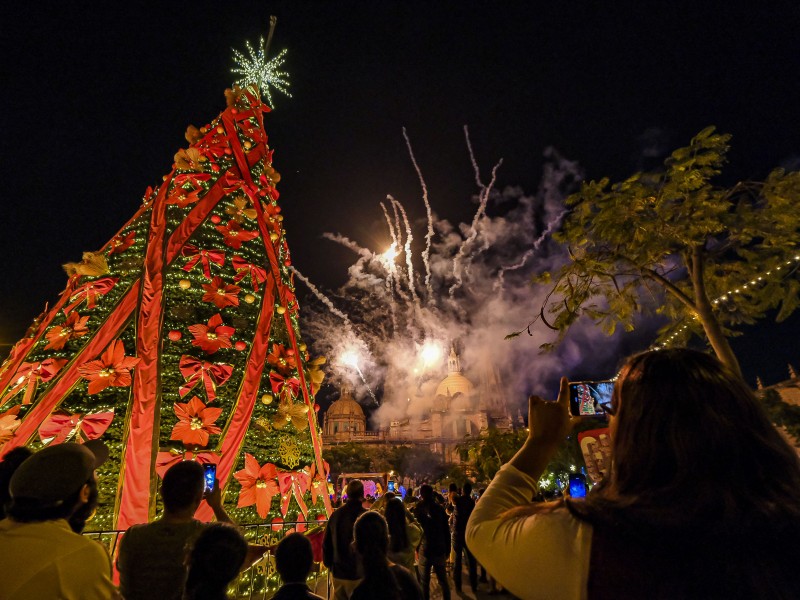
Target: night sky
(97, 98)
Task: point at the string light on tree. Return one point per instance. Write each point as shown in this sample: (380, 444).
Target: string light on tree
(731, 292)
(256, 69)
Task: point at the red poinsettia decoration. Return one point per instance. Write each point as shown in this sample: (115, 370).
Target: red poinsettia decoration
(75, 326)
(122, 242)
(282, 359)
(8, 424)
(258, 483)
(221, 293)
(112, 369)
(235, 234)
(195, 422)
(213, 336)
(183, 197)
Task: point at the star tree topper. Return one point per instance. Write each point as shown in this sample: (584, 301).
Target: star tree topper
(256, 69)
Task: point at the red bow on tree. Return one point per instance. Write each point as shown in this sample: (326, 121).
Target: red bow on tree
(60, 427)
(319, 484)
(90, 292)
(191, 177)
(283, 387)
(211, 375)
(30, 374)
(293, 483)
(165, 460)
(243, 268)
(203, 256)
(268, 189)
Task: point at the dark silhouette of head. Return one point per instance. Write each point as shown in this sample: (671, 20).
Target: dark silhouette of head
(293, 558)
(9, 464)
(182, 487)
(214, 560)
(371, 536)
(426, 493)
(467, 489)
(396, 520)
(355, 491)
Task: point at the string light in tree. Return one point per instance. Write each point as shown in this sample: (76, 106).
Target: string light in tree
(727, 296)
(256, 69)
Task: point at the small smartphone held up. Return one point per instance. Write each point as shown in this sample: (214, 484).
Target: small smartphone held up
(391, 486)
(577, 486)
(210, 474)
(587, 397)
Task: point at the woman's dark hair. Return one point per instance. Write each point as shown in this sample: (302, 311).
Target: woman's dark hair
(396, 520)
(692, 446)
(214, 560)
(371, 537)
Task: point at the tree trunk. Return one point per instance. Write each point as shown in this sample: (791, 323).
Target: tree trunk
(705, 312)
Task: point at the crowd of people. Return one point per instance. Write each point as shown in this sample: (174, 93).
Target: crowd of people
(702, 501)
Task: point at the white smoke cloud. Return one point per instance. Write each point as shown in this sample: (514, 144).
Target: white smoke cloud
(391, 317)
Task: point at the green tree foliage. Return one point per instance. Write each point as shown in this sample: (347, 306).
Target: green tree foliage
(417, 462)
(781, 413)
(674, 244)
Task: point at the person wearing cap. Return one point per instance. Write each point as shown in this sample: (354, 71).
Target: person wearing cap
(42, 556)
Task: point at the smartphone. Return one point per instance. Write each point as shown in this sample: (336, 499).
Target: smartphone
(390, 485)
(585, 397)
(210, 475)
(577, 485)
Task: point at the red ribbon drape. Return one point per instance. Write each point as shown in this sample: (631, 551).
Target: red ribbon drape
(319, 485)
(90, 292)
(30, 374)
(293, 483)
(243, 268)
(203, 256)
(211, 375)
(166, 460)
(60, 427)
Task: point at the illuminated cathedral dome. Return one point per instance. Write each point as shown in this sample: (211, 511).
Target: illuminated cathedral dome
(344, 416)
(455, 383)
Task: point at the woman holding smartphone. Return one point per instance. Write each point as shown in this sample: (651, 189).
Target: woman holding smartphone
(702, 501)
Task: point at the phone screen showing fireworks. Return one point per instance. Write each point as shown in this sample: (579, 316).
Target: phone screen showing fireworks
(210, 474)
(391, 486)
(586, 397)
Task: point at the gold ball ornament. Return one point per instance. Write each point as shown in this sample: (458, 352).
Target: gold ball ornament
(274, 236)
(220, 129)
(302, 347)
(247, 145)
(266, 399)
(280, 310)
(249, 298)
(184, 284)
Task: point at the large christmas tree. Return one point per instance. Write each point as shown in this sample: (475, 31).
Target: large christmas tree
(179, 339)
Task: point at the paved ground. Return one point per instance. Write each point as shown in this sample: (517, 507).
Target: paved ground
(466, 593)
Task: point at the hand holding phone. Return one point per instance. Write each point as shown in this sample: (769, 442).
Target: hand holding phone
(210, 477)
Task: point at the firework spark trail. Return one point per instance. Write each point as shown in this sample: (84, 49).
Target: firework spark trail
(349, 244)
(498, 285)
(391, 267)
(407, 249)
(325, 300)
(366, 385)
(429, 235)
(474, 162)
(483, 199)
